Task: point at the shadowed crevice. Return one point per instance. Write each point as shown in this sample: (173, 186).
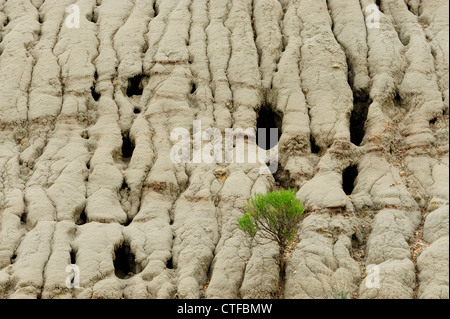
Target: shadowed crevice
(125, 262)
(315, 149)
(169, 264)
(155, 9)
(23, 218)
(136, 85)
(358, 119)
(268, 119)
(348, 179)
(83, 218)
(73, 257)
(95, 95)
(127, 147)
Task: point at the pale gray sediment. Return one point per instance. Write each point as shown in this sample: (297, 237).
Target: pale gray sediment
(86, 176)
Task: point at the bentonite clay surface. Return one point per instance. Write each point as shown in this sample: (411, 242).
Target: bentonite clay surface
(86, 176)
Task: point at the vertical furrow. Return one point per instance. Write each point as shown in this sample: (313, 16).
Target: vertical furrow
(434, 20)
(433, 255)
(3, 24)
(63, 253)
(432, 261)
(321, 265)
(46, 85)
(350, 30)
(196, 231)
(245, 83)
(27, 273)
(410, 160)
(289, 100)
(111, 17)
(168, 108)
(194, 213)
(267, 15)
(330, 94)
(44, 88)
(219, 51)
(243, 73)
(66, 150)
(201, 91)
(16, 67)
(384, 194)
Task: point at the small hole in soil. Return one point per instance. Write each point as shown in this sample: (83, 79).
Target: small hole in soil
(268, 119)
(348, 179)
(137, 111)
(355, 241)
(127, 147)
(82, 219)
(92, 17)
(85, 134)
(124, 262)
(397, 100)
(73, 257)
(155, 9)
(358, 119)
(23, 218)
(194, 88)
(95, 95)
(135, 85)
(169, 264)
(13, 258)
(128, 222)
(315, 149)
(433, 121)
(391, 149)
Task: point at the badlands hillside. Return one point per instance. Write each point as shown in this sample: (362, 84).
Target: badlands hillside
(92, 204)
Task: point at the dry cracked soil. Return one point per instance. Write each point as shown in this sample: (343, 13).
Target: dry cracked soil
(92, 204)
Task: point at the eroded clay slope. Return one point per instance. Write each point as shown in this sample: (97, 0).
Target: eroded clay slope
(86, 175)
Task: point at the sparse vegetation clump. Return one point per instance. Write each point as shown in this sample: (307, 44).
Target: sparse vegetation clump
(273, 217)
(339, 294)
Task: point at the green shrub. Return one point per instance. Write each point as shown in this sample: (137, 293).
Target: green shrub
(273, 216)
(339, 294)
